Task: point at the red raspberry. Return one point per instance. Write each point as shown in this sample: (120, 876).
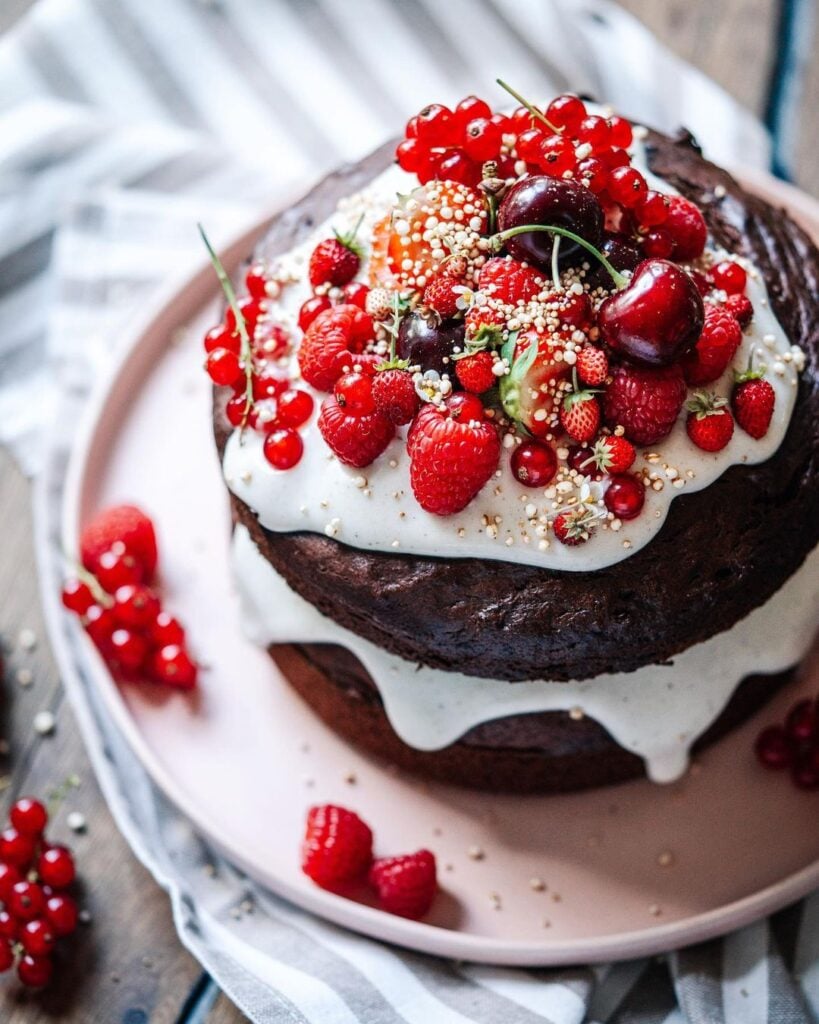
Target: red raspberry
(337, 847)
(440, 296)
(332, 343)
(644, 401)
(395, 395)
(125, 524)
(741, 307)
(406, 885)
(686, 227)
(580, 415)
(510, 281)
(476, 372)
(592, 365)
(716, 347)
(355, 440)
(450, 458)
(753, 403)
(334, 261)
(710, 426)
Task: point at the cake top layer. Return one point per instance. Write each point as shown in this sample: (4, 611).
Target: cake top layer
(514, 365)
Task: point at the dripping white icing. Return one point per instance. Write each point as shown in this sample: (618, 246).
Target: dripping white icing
(657, 712)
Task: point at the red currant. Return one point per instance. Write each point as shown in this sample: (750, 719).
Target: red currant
(221, 337)
(596, 131)
(529, 145)
(9, 876)
(482, 139)
(223, 367)
(256, 281)
(77, 596)
(8, 926)
(295, 407)
(613, 158)
(99, 624)
(627, 187)
(522, 120)
(625, 496)
(455, 165)
(686, 227)
(465, 407)
(772, 748)
(6, 956)
(729, 277)
(557, 156)
(533, 463)
(128, 650)
(652, 209)
(29, 816)
(117, 568)
(38, 938)
(34, 971)
(567, 112)
(173, 666)
(250, 309)
(16, 848)
(658, 243)
(435, 126)
(593, 174)
(468, 110)
(581, 460)
(354, 392)
(411, 130)
(410, 154)
(61, 913)
(311, 308)
(165, 629)
(270, 341)
(262, 416)
(620, 133)
(268, 385)
(355, 293)
(135, 606)
(56, 867)
(235, 409)
(283, 448)
(27, 901)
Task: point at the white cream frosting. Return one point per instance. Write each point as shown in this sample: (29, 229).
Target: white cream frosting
(657, 712)
(375, 509)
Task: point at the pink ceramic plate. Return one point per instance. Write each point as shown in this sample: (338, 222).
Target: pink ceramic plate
(627, 871)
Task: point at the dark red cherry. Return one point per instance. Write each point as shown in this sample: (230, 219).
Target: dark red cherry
(552, 202)
(428, 342)
(657, 318)
(622, 255)
(534, 463)
(625, 496)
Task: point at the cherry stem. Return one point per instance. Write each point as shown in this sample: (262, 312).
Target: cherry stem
(241, 325)
(556, 264)
(524, 229)
(532, 109)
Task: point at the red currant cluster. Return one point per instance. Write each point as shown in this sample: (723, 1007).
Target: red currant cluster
(34, 877)
(794, 745)
(121, 613)
(264, 399)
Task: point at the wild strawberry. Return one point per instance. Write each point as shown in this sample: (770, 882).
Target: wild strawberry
(741, 307)
(337, 847)
(574, 525)
(509, 281)
(686, 227)
(441, 296)
(450, 459)
(335, 261)
(484, 316)
(476, 372)
(127, 525)
(580, 415)
(612, 454)
(644, 401)
(395, 395)
(753, 403)
(332, 343)
(716, 347)
(530, 393)
(355, 440)
(592, 365)
(710, 425)
(378, 303)
(455, 267)
(405, 885)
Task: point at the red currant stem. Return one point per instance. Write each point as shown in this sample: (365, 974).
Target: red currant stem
(244, 337)
(555, 264)
(532, 110)
(90, 580)
(524, 229)
(57, 796)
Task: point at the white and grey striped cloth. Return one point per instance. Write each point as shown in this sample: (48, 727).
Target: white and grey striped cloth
(122, 122)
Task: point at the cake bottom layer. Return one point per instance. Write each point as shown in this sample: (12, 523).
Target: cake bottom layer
(541, 752)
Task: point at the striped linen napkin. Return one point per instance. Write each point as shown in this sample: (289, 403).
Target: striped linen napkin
(122, 122)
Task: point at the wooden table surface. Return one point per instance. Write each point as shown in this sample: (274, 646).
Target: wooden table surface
(127, 964)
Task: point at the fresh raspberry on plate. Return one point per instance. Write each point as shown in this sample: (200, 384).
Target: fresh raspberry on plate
(716, 347)
(644, 401)
(686, 227)
(332, 343)
(337, 847)
(356, 440)
(127, 525)
(406, 885)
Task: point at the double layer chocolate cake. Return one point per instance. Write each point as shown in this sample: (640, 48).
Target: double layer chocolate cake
(520, 423)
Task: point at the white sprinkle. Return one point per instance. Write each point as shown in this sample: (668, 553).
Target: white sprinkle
(25, 677)
(27, 639)
(537, 885)
(44, 723)
(475, 853)
(577, 714)
(76, 822)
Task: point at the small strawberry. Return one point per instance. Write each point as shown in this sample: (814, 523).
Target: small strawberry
(509, 281)
(710, 425)
(612, 454)
(741, 307)
(753, 402)
(355, 440)
(394, 393)
(476, 372)
(127, 525)
(335, 261)
(378, 303)
(592, 365)
(441, 296)
(451, 458)
(580, 414)
(455, 267)
(574, 525)
(333, 342)
(644, 401)
(406, 885)
(531, 392)
(337, 847)
(716, 347)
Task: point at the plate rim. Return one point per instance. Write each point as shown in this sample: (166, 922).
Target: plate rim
(170, 305)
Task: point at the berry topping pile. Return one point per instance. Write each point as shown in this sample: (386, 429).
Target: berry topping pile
(794, 745)
(337, 854)
(119, 609)
(531, 308)
(35, 879)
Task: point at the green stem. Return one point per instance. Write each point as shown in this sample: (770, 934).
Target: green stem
(525, 229)
(532, 109)
(241, 326)
(556, 263)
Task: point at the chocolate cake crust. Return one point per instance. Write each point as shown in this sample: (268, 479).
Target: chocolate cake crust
(722, 551)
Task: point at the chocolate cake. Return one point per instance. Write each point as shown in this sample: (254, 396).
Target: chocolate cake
(720, 552)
